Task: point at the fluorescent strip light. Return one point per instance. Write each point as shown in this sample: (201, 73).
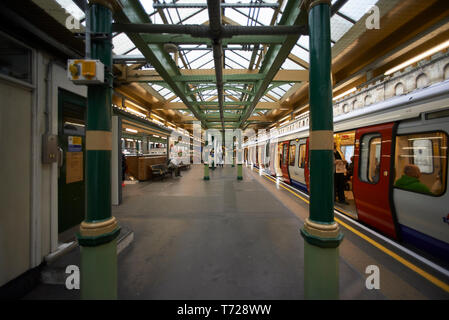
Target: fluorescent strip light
(135, 105)
(136, 112)
(284, 123)
(75, 124)
(131, 130)
(156, 136)
(153, 114)
(156, 121)
(345, 93)
(419, 57)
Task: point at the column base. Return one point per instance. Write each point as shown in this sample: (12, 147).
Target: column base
(93, 234)
(322, 235)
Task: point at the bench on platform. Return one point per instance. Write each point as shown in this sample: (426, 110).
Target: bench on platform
(184, 166)
(159, 170)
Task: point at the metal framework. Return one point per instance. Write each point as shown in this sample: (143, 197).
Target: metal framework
(259, 50)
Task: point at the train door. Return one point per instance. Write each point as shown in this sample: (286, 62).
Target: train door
(267, 155)
(371, 181)
(296, 166)
(307, 166)
(256, 160)
(292, 162)
(278, 160)
(71, 182)
(273, 158)
(345, 144)
(251, 155)
(284, 161)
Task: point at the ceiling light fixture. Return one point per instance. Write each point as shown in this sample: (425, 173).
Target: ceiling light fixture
(419, 57)
(136, 112)
(345, 93)
(156, 121)
(160, 118)
(135, 105)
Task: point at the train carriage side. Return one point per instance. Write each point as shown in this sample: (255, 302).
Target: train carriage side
(382, 150)
(419, 191)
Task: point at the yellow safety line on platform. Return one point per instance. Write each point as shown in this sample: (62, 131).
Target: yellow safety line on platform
(398, 258)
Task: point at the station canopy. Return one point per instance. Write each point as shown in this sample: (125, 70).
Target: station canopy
(180, 70)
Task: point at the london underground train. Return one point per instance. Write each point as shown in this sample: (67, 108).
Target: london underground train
(397, 151)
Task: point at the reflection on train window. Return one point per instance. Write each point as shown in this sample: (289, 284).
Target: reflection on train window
(423, 154)
(302, 156)
(292, 156)
(421, 162)
(285, 154)
(348, 152)
(370, 158)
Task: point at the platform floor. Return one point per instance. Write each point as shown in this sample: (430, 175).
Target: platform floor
(230, 239)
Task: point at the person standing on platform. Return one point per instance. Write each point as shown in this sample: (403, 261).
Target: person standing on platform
(339, 175)
(124, 167)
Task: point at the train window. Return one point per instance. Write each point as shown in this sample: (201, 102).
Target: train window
(292, 156)
(302, 156)
(421, 162)
(285, 154)
(370, 158)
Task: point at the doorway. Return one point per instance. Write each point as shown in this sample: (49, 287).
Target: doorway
(71, 140)
(345, 142)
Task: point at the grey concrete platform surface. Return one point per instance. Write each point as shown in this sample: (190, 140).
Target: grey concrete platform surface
(230, 239)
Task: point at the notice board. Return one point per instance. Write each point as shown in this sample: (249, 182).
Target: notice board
(74, 167)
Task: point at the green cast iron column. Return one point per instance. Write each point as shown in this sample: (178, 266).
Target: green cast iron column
(206, 162)
(239, 171)
(99, 230)
(239, 156)
(321, 233)
(206, 171)
(233, 152)
(213, 159)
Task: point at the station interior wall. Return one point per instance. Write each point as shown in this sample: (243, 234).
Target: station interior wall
(29, 188)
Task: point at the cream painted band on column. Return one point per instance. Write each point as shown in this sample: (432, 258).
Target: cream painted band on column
(98, 228)
(98, 140)
(321, 140)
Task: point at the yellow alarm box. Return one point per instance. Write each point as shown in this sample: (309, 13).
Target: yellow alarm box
(85, 71)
